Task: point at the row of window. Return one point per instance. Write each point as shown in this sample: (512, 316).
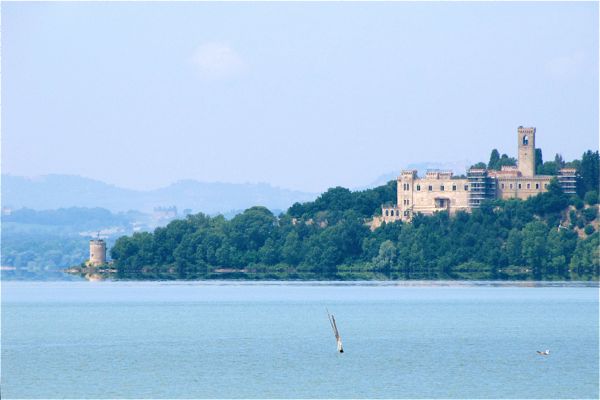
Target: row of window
(389, 213)
(430, 188)
(537, 186)
(406, 187)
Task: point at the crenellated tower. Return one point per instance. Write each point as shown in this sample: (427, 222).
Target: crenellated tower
(526, 145)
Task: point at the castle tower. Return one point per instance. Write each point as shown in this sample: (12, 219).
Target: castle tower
(97, 252)
(526, 145)
(405, 192)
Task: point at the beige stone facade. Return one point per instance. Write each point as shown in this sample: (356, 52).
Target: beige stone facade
(97, 252)
(440, 191)
(437, 191)
(511, 183)
(522, 187)
(526, 150)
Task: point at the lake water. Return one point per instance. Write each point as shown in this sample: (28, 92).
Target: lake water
(273, 340)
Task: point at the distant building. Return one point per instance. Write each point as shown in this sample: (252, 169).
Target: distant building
(187, 211)
(165, 212)
(6, 211)
(441, 191)
(97, 252)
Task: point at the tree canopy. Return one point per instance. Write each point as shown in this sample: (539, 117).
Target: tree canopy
(549, 236)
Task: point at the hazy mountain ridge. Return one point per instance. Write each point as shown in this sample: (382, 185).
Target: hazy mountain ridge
(62, 191)
(458, 167)
(54, 191)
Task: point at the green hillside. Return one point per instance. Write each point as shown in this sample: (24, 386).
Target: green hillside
(548, 237)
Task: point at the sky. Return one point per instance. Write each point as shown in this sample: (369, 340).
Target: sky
(303, 96)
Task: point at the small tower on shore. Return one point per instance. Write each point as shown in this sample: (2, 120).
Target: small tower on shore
(97, 252)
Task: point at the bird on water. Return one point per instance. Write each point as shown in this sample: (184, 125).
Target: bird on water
(544, 353)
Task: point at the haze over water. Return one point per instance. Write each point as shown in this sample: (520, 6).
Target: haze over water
(249, 340)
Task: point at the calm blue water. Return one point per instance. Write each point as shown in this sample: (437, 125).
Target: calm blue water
(248, 340)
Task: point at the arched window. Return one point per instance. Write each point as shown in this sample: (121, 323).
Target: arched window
(525, 140)
(387, 213)
(397, 213)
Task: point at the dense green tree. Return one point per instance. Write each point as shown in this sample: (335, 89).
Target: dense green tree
(514, 249)
(558, 160)
(479, 165)
(539, 162)
(386, 259)
(328, 239)
(591, 198)
(589, 172)
(270, 253)
(292, 249)
(494, 162)
(589, 214)
(534, 247)
(507, 161)
(560, 244)
(550, 167)
(585, 263)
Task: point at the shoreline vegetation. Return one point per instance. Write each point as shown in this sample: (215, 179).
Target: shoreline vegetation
(548, 237)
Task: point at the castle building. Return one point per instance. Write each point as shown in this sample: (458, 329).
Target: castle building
(162, 213)
(97, 252)
(441, 191)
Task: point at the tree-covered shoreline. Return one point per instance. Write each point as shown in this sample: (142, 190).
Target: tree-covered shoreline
(551, 236)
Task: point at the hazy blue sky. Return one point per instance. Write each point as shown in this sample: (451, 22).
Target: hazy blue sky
(300, 95)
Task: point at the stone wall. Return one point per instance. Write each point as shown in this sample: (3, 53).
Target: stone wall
(97, 252)
(526, 146)
(438, 191)
(521, 187)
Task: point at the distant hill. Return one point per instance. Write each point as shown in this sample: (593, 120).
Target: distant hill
(458, 167)
(63, 191)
